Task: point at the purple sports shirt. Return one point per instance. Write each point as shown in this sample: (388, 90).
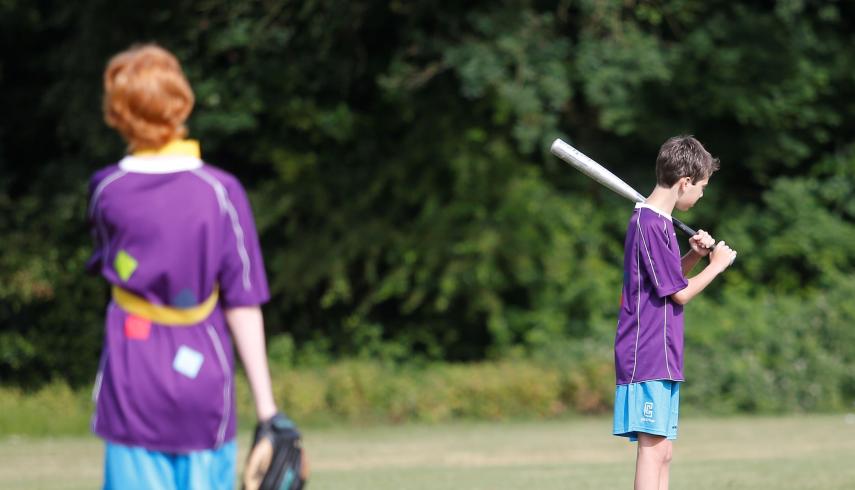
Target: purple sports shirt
(649, 338)
(169, 228)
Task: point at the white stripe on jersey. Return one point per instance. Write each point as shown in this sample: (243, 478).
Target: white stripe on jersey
(97, 217)
(665, 339)
(102, 185)
(227, 207)
(643, 241)
(665, 327)
(637, 306)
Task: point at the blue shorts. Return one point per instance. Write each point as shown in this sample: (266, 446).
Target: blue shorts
(132, 468)
(652, 407)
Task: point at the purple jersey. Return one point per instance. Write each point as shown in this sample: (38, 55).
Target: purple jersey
(649, 339)
(171, 230)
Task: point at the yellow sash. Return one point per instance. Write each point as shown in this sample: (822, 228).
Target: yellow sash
(165, 315)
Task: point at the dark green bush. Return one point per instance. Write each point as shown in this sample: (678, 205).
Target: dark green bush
(396, 157)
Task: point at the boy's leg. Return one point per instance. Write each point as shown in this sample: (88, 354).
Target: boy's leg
(654, 454)
(665, 474)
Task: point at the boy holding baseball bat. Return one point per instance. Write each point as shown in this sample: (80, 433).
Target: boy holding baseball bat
(649, 338)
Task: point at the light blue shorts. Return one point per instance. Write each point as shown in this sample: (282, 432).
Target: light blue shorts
(652, 407)
(136, 468)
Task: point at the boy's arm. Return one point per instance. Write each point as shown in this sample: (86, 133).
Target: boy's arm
(720, 259)
(689, 261)
(247, 326)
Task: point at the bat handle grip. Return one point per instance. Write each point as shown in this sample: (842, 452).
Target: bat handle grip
(686, 229)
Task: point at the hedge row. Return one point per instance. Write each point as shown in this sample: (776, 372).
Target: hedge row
(365, 391)
(357, 392)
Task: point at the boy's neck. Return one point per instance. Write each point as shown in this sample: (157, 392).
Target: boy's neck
(663, 199)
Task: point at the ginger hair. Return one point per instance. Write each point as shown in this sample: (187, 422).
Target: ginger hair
(147, 98)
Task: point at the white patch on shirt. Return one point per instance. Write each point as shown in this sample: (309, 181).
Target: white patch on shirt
(188, 361)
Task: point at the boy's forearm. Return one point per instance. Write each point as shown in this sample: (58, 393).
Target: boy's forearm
(689, 261)
(696, 284)
(247, 327)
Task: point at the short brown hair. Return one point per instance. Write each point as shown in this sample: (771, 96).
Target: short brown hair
(146, 96)
(683, 156)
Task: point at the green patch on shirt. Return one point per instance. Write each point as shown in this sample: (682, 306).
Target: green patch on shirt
(125, 265)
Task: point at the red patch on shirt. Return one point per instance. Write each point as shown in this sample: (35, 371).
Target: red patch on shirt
(137, 327)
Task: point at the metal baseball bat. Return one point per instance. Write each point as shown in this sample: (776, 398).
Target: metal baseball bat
(594, 170)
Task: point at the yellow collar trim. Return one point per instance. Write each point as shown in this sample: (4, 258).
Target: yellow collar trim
(184, 148)
(165, 315)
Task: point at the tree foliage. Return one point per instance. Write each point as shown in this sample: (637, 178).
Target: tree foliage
(396, 156)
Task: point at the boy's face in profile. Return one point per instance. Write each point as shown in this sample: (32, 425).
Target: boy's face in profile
(690, 193)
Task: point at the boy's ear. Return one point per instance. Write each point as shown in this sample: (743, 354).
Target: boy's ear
(683, 183)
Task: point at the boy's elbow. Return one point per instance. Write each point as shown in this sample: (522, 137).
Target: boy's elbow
(680, 297)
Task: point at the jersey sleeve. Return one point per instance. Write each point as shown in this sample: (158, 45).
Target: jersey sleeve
(93, 264)
(659, 260)
(241, 277)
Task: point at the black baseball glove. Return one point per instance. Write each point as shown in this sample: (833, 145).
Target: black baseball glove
(276, 458)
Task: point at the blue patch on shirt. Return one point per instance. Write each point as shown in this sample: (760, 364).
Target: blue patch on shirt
(185, 299)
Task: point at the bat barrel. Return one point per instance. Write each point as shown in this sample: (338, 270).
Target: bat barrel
(594, 170)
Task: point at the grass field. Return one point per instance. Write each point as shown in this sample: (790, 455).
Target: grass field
(794, 452)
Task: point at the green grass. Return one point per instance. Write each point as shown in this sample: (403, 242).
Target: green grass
(793, 452)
